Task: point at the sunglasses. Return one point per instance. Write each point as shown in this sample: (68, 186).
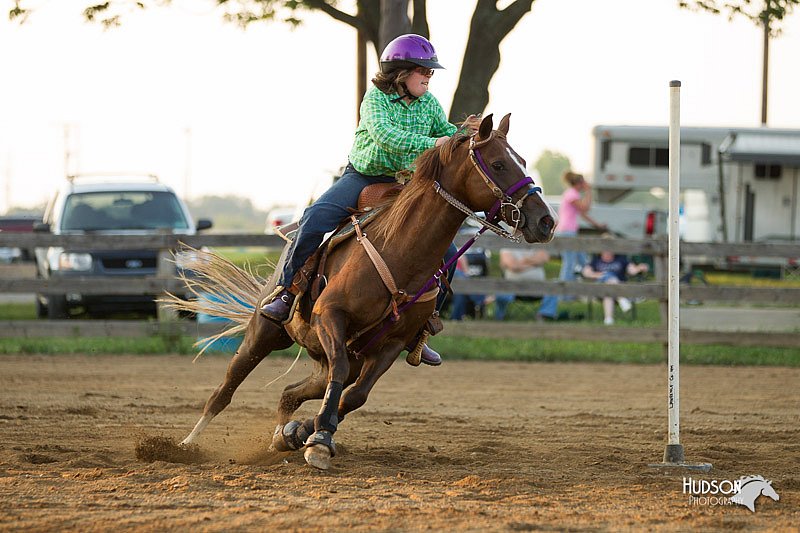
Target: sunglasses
(424, 71)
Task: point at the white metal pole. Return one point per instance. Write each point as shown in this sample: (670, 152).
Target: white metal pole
(674, 266)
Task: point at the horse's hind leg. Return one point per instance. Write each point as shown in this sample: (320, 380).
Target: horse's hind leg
(310, 388)
(261, 338)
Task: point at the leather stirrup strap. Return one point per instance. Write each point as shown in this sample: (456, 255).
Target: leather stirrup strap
(380, 265)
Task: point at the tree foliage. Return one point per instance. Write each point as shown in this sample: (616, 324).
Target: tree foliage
(551, 167)
(229, 213)
(756, 10)
(379, 21)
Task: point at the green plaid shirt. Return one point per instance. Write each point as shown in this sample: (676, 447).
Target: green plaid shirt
(391, 135)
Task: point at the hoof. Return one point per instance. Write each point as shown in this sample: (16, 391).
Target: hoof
(318, 456)
(281, 438)
(289, 437)
(319, 449)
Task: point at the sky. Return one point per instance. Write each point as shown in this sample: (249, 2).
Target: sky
(268, 113)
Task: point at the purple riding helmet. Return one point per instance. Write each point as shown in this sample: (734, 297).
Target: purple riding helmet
(409, 50)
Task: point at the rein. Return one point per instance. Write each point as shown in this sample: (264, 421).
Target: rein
(504, 198)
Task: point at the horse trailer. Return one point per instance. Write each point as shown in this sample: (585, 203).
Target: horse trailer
(737, 184)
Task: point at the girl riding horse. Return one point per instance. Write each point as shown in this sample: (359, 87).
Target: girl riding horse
(400, 119)
(349, 330)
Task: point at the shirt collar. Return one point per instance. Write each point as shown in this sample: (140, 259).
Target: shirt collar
(393, 98)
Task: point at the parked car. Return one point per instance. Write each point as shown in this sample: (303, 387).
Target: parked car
(280, 216)
(17, 224)
(108, 205)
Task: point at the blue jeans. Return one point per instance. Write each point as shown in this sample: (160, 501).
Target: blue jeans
(570, 262)
(323, 216)
(326, 214)
(501, 303)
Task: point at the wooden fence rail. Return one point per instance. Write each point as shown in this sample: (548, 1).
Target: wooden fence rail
(17, 283)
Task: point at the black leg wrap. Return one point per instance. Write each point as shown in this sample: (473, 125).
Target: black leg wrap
(292, 436)
(327, 419)
(322, 437)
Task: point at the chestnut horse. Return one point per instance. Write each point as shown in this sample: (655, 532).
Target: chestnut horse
(467, 174)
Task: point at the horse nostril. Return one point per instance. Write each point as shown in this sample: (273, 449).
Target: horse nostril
(546, 224)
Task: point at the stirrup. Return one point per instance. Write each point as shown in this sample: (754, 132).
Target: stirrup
(414, 357)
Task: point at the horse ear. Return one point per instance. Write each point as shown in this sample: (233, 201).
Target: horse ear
(503, 127)
(485, 129)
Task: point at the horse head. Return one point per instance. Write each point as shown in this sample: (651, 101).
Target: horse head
(750, 488)
(496, 182)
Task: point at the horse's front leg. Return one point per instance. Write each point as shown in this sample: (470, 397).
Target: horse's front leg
(261, 338)
(331, 331)
(363, 377)
(292, 435)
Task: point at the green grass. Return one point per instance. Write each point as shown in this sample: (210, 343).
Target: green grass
(17, 312)
(617, 352)
(453, 348)
(253, 258)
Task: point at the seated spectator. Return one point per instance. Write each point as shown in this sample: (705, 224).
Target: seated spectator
(519, 264)
(460, 300)
(610, 268)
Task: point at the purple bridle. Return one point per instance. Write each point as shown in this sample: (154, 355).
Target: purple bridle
(503, 198)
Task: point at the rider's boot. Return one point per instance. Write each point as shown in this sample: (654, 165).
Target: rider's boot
(424, 354)
(430, 356)
(278, 309)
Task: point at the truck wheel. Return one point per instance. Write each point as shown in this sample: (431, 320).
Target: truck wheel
(41, 308)
(57, 307)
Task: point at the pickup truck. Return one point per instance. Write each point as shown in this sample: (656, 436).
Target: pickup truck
(623, 220)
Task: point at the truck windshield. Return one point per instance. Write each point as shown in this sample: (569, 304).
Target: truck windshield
(122, 210)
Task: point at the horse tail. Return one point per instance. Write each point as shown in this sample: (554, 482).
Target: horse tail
(217, 288)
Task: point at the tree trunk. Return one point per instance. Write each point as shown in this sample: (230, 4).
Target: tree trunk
(488, 28)
(380, 22)
(394, 21)
(419, 24)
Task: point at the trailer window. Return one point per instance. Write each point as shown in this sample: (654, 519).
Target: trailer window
(705, 155)
(605, 153)
(638, 156)
(768, 172)
(648, 156)
(662, 157)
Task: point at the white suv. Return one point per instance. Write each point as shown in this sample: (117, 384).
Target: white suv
(107, 205)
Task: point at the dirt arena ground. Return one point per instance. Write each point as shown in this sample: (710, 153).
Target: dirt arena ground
(470, 446)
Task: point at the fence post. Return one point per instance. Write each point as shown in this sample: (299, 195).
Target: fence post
(165, 270)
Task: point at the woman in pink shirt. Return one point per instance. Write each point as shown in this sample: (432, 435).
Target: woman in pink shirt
(575, 203)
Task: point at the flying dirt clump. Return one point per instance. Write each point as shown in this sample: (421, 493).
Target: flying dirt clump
(161, 448)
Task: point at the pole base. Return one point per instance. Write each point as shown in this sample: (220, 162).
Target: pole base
(674, 458)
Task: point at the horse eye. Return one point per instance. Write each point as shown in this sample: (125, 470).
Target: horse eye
(498, 165)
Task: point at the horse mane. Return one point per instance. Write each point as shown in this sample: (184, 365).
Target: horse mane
(747, 479)
(428, 168)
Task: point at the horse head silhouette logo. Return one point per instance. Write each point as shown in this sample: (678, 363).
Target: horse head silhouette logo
(751, 487)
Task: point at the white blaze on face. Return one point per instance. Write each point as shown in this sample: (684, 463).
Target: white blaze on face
(516, 160)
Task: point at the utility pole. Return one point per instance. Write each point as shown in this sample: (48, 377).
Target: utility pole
(187, 168)
(765, 71)
(67, 149)
(8, 182)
